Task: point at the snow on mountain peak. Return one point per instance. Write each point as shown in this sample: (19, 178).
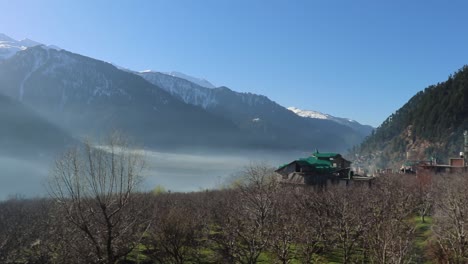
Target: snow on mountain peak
(201, 82)
(187, 91)
(10, 46)
(29, 42)
(309, 113)
(364, 129)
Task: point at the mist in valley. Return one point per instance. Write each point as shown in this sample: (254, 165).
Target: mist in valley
(193, 172)
(23, 177)
(176, 172)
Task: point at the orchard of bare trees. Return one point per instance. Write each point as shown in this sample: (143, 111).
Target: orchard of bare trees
(96, 213)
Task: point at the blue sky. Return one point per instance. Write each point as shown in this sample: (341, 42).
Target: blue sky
(361, 59)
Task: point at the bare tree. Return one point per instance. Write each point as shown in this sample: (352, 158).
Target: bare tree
(451, 219)
(26, 233)
(245, 218)
(425, 194)
(390, 236)
(313, 212)
(348, 216)
(95, 187)
(178, 231)
(285, 225)
(14, 220)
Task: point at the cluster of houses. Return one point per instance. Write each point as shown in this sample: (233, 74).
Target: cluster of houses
(331, 168)
(455, 165)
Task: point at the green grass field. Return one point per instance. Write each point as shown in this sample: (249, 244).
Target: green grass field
(422, 238)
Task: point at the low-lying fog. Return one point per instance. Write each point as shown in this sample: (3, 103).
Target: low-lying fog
(177, 172)
(22, 177)
(189, 172)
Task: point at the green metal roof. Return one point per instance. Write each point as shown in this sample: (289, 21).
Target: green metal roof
(323, 166)
(316, 162)
(325, 154)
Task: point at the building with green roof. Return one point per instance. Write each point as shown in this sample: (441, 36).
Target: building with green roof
(317, 169)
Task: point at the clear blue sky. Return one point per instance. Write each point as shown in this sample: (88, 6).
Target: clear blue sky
(361, 59)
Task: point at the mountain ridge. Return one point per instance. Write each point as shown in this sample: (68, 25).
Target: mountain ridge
(88, 96)
(73, 90)
(257, 113)
(199, 81)
(10, 46)
(429, 126)
(25, 133)
(365, 130)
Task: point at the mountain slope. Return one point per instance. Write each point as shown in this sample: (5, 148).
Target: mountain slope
(260, 117)
(88, 96)
(430, 124)
(10, 46)
(24, 133)
(198, 81)
(364, 130)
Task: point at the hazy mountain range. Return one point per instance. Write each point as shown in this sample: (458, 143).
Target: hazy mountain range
(258, 115)
(198, 81)
(363, 129)
(84, 96)
(9, 46)
(24, 133)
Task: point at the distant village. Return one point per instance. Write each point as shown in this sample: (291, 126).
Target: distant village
(454, 165)
(321, 169)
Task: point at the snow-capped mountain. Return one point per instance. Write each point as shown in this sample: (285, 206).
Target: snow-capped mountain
(194, 94)
(260, 116)
(86, 96)
(90, 97)
(199, 81)
(308, 113)
(10, 46)
(187, 91)
(364, 129)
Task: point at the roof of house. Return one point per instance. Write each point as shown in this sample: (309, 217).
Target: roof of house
(324, 166)
(325, 154)
(316, 162)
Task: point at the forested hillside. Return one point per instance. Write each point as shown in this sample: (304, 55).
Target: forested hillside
(431, 124)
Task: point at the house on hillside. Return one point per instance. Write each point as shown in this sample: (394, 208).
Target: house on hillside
(409, 167)
(456, 165)
(318, 169)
